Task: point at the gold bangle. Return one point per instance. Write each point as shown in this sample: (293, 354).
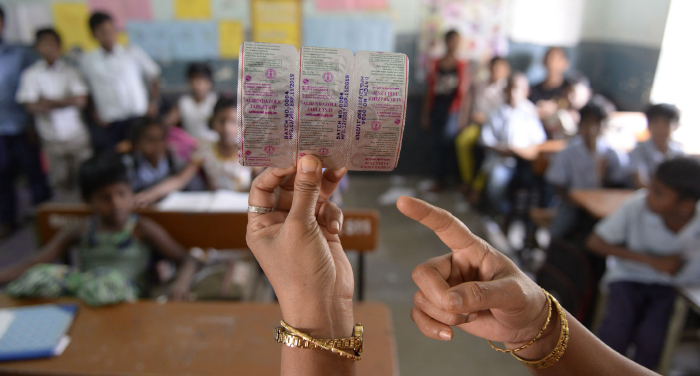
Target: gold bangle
(320, 343)
(558, 351)
(549, 316)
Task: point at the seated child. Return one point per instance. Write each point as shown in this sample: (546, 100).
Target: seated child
(586, 163)
(114, 239)
(151, 161)
(194, 110)
(490, 94)
(652, 243)
(220, 159)
(577, 93)
(662, 120)
(512, 125)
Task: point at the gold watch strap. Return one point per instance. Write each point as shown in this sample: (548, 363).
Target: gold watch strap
(353, 343)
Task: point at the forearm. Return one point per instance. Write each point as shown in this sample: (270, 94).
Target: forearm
(155, 90)
(323, 321)
(187, 270)
(36, 108)
(585, 354)
(16, 270)
(599, 246)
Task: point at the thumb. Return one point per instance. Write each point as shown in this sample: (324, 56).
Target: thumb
(478, 296)
(307, 186)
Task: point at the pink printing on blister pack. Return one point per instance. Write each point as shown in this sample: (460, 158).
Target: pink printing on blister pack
(323, 151)
(376, 125)
(269, 149)
(327, 77)
(270, 74)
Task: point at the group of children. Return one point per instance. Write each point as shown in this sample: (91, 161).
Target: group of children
(132, 156)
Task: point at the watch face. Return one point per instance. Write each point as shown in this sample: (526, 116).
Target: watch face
(359, 332)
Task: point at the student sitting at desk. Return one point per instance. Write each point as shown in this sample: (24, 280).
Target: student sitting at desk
(586, 163)
(218, 160)
(652, 242)
(113, 240)
(512, 125)
(662, 120)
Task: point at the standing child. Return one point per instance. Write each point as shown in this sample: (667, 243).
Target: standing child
(220, 159)
(586, 163)
(652, 243)
(195, 109)
(512, 125)
(547, 94)
(55, 93)
(490, 94)
(124, 82)
(114, 238)
(662, 120)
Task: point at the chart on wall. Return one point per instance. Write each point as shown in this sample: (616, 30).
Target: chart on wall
(189, 30)
(481, 25)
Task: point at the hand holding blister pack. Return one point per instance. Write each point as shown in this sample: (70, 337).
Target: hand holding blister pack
(347, 110)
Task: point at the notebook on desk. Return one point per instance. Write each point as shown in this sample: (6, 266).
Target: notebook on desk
(35, 331)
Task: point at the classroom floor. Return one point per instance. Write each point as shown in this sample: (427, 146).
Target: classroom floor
(403, 245)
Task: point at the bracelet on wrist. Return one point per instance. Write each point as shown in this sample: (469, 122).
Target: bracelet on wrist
(350, 348)
(532, 341)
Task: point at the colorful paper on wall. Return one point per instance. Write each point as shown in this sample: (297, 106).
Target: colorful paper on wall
(23, 19)
(152, 37)
(123, 10)
(163, 10)
(231, 35)
(193, 9)
(71, 21)
(195, 40)
(276, 21)
(351, 4)
(231, 10)
(355, 34)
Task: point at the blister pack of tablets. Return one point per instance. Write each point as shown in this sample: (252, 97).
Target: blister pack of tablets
(349, 110)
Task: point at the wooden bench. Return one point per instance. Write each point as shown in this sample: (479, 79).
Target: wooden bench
(219, 230)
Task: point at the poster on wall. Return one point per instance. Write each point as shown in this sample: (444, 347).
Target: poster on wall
(276, 21)
(479, 23)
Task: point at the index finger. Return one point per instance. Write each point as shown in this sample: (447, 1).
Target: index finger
(451, 230)
(262, 191)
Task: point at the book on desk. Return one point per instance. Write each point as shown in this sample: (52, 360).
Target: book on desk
(36, 331)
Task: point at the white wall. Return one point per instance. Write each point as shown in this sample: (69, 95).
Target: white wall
(545, 22)
(634, 22)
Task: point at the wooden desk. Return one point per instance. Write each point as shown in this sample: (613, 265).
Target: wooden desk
(600, 202)
(147, 338)
(547, 147)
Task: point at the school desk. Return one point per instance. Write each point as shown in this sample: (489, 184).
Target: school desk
(219, 230)
(599, 202)
(148, 338)
(546, 148)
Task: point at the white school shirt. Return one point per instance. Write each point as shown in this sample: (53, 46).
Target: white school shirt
(54, 82)
(118, 81)
(224, 172)
(645, 157)
(575, 167)
(640, 230)
(195, 116)
(506, 126)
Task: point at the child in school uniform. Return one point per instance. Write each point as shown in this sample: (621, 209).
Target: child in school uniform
(662, 120)
(220, 159)
(652, 243)
(114, 248)
(195, 109)
(586, 163)
(124, 83)
(490, 94)
(512, 125)
(55, 93)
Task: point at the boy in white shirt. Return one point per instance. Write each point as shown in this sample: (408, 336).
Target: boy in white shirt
(652, 243)
(512, 125)
(118, 77)
(54, 93)
(662, 120)
(586, 163)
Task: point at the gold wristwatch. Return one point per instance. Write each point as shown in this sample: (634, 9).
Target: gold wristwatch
(353, 343)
